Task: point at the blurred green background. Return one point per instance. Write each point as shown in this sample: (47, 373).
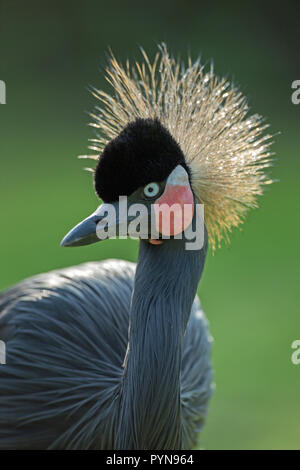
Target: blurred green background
(50, 53)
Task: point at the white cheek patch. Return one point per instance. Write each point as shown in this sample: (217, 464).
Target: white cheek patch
(178, 177)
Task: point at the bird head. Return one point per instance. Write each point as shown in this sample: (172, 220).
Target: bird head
(145, 166)
(173, 136)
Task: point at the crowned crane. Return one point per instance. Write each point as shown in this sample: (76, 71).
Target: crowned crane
(113, 355)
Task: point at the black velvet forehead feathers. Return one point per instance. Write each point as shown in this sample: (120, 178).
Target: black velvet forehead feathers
(142, 153)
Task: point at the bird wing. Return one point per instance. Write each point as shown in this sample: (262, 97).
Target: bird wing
(66, 333)
(196, 375)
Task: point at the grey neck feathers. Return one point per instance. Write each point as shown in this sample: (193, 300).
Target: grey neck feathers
(165, 286)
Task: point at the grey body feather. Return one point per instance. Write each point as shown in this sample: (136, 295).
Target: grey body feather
(64, 384)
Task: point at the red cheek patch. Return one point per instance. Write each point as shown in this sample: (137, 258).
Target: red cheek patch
(174, 210)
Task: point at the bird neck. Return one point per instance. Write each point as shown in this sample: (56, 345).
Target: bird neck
(165, 286)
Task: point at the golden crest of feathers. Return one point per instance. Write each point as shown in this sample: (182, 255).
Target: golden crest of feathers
(227, 150)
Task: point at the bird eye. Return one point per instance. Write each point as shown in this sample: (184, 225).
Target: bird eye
(151, 190)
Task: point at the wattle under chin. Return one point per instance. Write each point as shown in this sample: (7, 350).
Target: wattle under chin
(155, 242)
